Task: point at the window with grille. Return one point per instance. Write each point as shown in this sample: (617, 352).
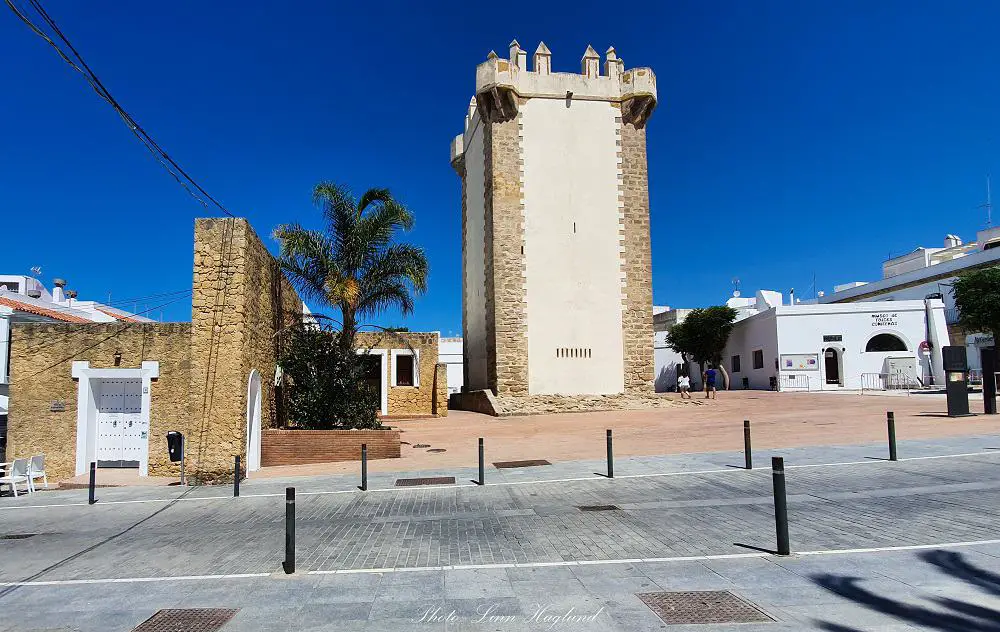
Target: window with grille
(404, 370)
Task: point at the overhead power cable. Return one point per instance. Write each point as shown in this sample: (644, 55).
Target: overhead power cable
(77, 62)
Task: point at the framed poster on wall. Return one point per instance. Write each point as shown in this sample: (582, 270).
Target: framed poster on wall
(799, 362)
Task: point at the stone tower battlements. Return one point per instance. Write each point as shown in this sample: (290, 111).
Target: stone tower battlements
(502, 85)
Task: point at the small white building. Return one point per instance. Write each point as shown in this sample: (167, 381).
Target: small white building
(872, 344)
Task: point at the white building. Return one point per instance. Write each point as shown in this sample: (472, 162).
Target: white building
(872, 344)
(25, 299)
(929, 272)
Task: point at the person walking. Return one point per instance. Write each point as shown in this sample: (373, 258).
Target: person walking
(684, 386)
(709, 378)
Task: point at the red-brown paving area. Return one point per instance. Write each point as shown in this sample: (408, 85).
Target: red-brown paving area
(779, 420)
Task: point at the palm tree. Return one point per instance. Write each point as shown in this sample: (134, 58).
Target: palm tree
(354, 264)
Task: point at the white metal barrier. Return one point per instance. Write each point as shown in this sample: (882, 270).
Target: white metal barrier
(793, 382)
(895, 381)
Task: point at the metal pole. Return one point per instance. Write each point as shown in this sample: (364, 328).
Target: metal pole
(611, 457)
(890, 419)
(364, 467)
(747, 452)
(482, 463)
(93, 483)
(182, 466)
(236, 478)
(780, 504)
(289, 565)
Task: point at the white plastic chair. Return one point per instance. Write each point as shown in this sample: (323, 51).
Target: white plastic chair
(18, 473)
(36, 469)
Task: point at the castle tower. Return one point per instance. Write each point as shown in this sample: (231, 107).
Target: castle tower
(556, 285)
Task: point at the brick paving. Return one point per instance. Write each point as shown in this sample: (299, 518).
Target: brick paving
(866, 503)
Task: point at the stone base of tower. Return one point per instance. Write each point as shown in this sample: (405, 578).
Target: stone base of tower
(516, 406)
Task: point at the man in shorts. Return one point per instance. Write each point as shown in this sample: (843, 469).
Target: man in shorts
(684, 386)
(709, 378)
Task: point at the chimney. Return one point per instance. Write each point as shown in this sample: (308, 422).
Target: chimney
(58, 296)
(950, 241)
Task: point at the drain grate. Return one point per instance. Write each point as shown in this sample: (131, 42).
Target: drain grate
(17, 536)
(598, 507)
(707, 606)
(528, 463)
(186, 620)
(433, 480)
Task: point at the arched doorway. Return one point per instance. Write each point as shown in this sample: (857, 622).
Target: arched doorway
(831, 362)
(253, 422)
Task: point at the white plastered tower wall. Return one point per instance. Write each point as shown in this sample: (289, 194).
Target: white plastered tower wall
(557, 292)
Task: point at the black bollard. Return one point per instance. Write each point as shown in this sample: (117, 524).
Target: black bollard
(236, 478)
(611, 457)
(482, 463)
(890, 420)
(747, 453)
(93, 483)
(780, 504)
(289, 564)
(364, 467)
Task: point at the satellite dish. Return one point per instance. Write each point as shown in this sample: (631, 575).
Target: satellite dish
(736, 293)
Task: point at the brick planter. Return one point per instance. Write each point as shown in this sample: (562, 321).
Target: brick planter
(296, 447)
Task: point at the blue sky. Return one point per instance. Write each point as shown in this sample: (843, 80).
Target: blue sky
(791, 138)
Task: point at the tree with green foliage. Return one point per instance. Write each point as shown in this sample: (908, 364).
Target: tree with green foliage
(977, 297)
(355, 264)
(703, 335)
(327, 382)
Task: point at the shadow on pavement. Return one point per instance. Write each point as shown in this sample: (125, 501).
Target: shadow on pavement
(953, 615)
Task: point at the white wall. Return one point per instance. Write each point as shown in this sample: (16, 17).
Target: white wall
(665, 360)
(475, 256)
(749, 334)
(573, 275)
(791, 330)
(450, 353)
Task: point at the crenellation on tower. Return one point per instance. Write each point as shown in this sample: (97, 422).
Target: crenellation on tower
(555, 226)
(590, 63)
(542, 63)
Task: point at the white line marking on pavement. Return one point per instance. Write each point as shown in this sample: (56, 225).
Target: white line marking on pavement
(457, 567)
(597, 477)
(130, 580)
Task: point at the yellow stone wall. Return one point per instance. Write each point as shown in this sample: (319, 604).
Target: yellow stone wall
(240, 300)
(425, 399)
(41, 365)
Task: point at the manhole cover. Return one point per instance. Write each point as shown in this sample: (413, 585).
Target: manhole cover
(598, 507)
(437, 450)
(421, 445)
(433, 480)
(707, 606)
(187, 620)
(17, 536)
(528, 463)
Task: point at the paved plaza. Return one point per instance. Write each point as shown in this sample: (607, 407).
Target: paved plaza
(877, 545)
(780, 420)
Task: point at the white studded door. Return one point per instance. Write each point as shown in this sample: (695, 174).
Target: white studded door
(121, 438)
